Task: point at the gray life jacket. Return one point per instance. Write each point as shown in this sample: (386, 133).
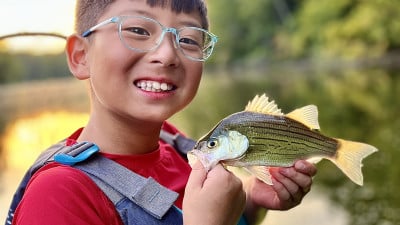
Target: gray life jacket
(145, 202)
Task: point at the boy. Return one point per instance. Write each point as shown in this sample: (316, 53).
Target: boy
(143, 60)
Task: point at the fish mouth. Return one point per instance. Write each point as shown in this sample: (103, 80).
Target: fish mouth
(203, 158)
(154, 86)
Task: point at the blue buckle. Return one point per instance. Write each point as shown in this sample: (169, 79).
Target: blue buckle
(70, 160)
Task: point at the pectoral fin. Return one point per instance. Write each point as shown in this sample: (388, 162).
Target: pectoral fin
(261, 172)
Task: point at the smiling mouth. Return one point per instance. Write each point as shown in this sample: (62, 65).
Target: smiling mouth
(154, 86)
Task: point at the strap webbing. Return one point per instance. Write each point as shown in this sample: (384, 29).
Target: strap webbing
(145, 192)
(179, 142)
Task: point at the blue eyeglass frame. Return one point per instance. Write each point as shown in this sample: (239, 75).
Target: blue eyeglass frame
(118, 20)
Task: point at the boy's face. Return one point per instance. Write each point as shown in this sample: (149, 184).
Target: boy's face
(118, 74)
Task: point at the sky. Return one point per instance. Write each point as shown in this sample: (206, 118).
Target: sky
(36, 16)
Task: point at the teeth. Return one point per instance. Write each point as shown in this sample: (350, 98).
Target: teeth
(153, 86)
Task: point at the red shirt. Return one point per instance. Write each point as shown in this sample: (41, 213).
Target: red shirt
(63, 195)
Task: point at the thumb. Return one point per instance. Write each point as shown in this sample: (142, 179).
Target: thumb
(197, 176)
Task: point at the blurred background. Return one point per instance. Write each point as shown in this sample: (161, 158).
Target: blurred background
(343, 56)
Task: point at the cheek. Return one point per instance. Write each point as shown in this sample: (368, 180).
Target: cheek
(110, 81)
(194, 74)
(109, 55)
(112, 61)
(193, 78)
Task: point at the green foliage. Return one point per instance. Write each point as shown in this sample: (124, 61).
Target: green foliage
(245, 28)
(10, 70)
(282, 29)
(344, 28)
(25, 67)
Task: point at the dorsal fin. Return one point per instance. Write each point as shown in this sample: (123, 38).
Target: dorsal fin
(261, 104)
(307, 115)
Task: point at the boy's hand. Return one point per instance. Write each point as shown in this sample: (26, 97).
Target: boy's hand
(289, 187)
(216, 197)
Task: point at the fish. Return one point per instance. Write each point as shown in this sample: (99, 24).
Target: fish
(262, 136)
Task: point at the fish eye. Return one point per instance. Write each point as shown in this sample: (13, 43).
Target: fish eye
(212, 143)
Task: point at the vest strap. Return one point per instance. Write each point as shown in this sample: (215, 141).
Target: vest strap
(145, 192)
(179, 142)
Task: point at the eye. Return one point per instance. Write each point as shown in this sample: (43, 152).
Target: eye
(138, 31)
(189, 41)
(212, 143)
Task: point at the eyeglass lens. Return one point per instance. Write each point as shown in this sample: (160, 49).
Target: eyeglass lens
(145, 34)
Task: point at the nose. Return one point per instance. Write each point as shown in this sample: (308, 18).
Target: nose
(166, 52)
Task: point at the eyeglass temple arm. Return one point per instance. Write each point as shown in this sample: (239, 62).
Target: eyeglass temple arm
(92, 29)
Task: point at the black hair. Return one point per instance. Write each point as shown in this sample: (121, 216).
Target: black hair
(184, 6)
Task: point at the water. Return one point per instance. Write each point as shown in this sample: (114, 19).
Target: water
(355, 105)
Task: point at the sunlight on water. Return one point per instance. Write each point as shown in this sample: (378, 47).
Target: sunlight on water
(27, 137)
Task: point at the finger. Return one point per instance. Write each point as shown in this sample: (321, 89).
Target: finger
(197, 176)
(218, 172)
(278, 185)
(281, 192)
(305, 167)
(290, 178)
(301, 180)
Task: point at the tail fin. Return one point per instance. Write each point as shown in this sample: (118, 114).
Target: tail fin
(349, 158)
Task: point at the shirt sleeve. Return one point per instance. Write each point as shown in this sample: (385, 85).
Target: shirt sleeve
(62, 195)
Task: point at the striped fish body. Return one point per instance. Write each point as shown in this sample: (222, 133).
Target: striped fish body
(262, 136)
(276, 140)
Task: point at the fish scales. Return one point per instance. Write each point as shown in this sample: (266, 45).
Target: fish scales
(294, 132)
(262, 136)
(276, 140)
(262, 124)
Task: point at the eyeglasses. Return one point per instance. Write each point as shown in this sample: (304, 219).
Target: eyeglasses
(143, 34)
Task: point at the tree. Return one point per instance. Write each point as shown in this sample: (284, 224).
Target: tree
(245, 28)
(341, 29)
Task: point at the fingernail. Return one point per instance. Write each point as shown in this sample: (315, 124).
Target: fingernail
(300, 165)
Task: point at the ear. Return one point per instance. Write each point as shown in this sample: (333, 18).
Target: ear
(76, 50)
